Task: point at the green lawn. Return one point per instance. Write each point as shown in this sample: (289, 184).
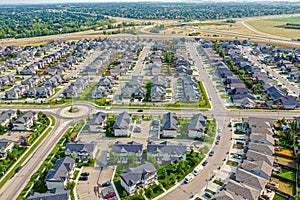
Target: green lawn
(279, 197)
(288, 19)
(287, 173)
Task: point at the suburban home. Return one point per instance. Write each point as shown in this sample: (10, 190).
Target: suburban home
(97, 122)
(122, 125)
(261, 136)
(252, 180)
(57, 177)
(25, 121)
(226, 195)
(197, 126)
(170, 125)
(81, 151)
(166, 152)
(52, 195)
(5, 147)
(124, 150)
(255, 156)
(259, 168)
(243, 190)
(140, 177)
(158, 93)
(6, 116)
(261, 148)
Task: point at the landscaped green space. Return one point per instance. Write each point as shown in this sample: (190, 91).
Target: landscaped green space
(287, 19)
(153, 191)
(183, 123)
(279, 197)
(210, 131)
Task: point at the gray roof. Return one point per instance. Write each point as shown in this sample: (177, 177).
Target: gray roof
(257, 166)
(137, 174)
(97, 118)
(80, 146)
(255, 156)
(25, 117)
(53, 195)
(4, 143)
(250, 179)
(62, 167)
(261, 148)
(243, 190)
(160, 81)
(170, 121)
(225, 195)
(123, 120)
(129, 147)
(166, 147)
(198, 122)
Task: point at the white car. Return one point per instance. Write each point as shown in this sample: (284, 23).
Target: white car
(189, 178)
(197, 170)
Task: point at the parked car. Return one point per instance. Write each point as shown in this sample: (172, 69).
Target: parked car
(208, 194)
(140, 110)
(83, 178)
(18, 169)
(105, 184)
(217, 142)
(204, 162)
(197, 170)
(211, 153)
(85, 174)
(110, 195)
(189, 178)
(108, 156)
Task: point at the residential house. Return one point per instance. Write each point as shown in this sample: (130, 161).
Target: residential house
(140, 177)
(243, 190)
(249, 179)
(81, 151)
(97, 122)
(166, 152)
(58, 177)
(5, 147)
(261, 148)
(124, 150)
(226, 195)
(25, 121)
(158, 89)
(197, 126)
(52, 195)
(259, 168)
(122, 125)
(255, 156)
(6, 116)
(170, 125)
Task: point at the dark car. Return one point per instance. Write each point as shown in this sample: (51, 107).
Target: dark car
(107, 183)
(85, 174)
(83, 178)
(204, 162)
(110, 195)
(211, 153)
(18, 169)
(140, 110)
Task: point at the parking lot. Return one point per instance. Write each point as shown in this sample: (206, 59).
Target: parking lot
(90, 189)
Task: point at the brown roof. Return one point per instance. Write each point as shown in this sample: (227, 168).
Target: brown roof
(261, 148)
(243, 190)
(250, 179)
(255, 156)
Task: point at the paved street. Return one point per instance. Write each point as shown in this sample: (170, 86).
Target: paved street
(292, 88)
(65, 119)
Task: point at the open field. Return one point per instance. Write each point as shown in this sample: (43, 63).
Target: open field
(269, 26)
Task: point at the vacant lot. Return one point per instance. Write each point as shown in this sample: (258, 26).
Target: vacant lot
(270, 26)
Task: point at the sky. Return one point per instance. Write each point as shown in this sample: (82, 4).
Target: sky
(65, 1)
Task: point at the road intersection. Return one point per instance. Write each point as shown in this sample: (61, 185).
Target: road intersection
(64, 119)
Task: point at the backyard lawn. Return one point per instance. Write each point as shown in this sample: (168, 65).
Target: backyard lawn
(287, 173)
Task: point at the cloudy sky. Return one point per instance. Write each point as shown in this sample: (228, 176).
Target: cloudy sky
(65, 1)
